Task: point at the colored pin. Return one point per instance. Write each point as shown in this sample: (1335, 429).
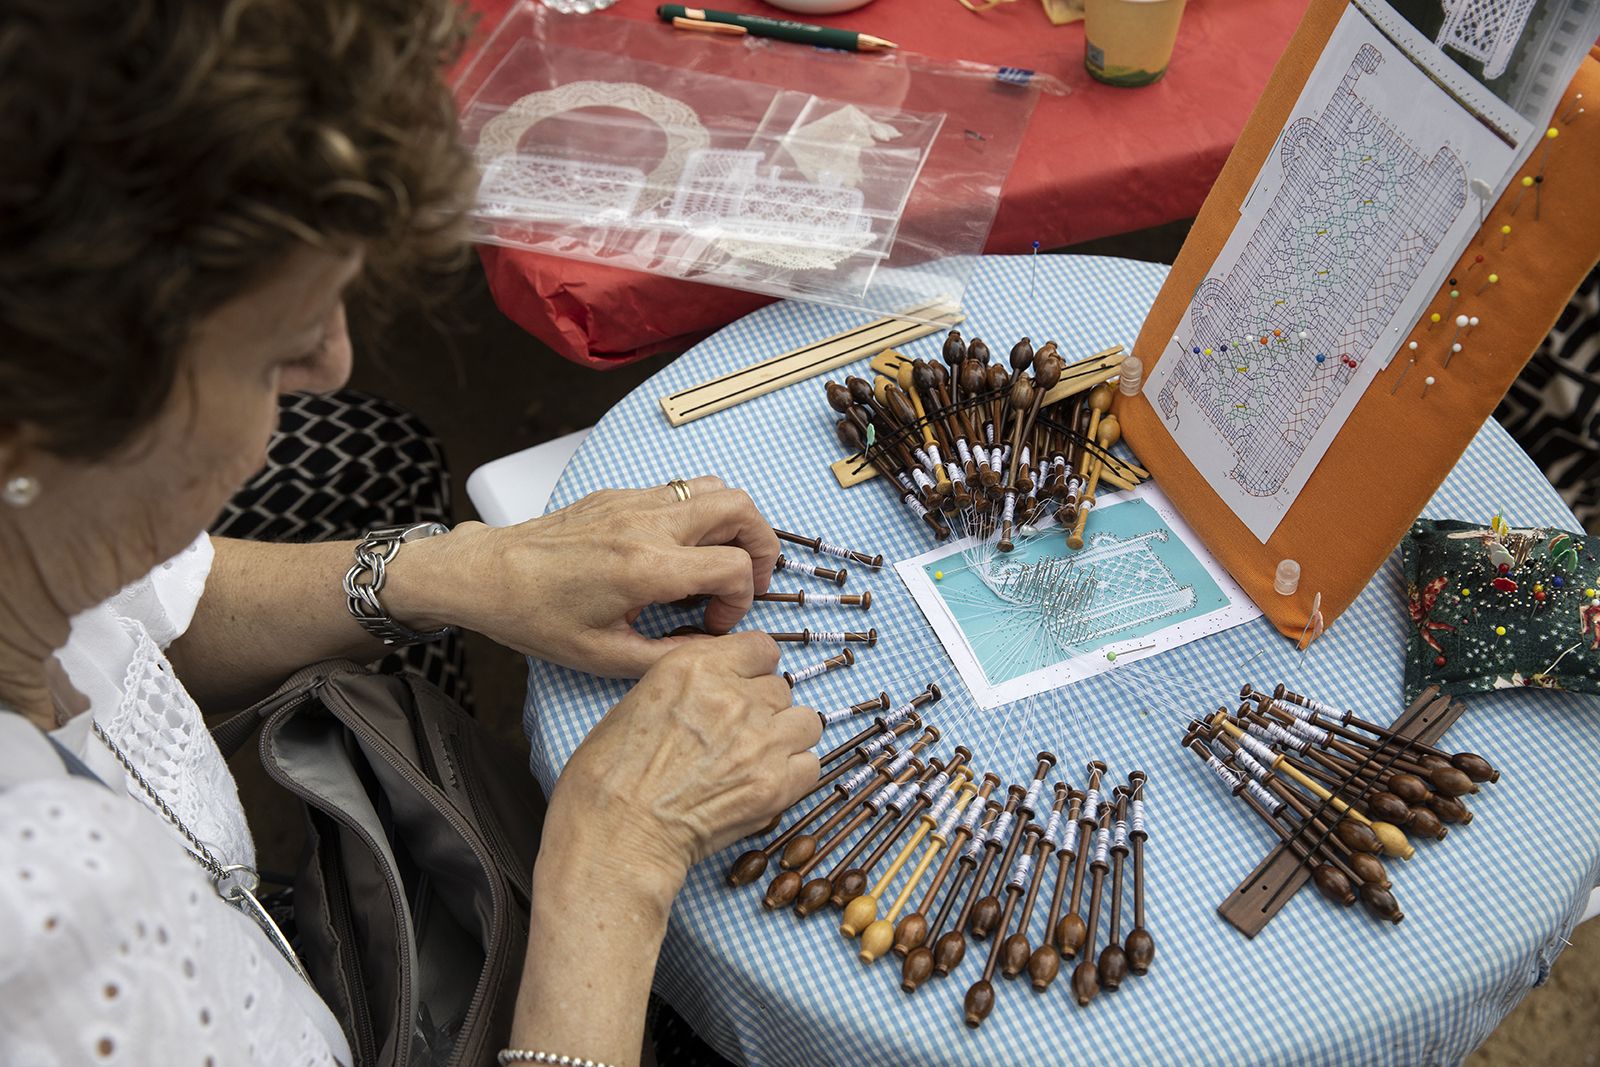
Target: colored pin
(1493, 279)
(1461, 324)
(1433, 320)
(1472, 324)
(1575, 112)
(1475, 261)
(1426, 382)
(1448, 356)
(1505, 235)
(1550, 136)
(1033, 269)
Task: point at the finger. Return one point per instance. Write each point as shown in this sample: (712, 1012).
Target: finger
(624, 652)
(749, 653)
(729, 517)
(704, 485)
(719, 572)
(798, 727)
(774, 692)
(801, 772)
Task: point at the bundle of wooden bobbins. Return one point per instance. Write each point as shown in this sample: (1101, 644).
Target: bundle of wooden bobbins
(989, 448)
(993, 856)
(1337, 789)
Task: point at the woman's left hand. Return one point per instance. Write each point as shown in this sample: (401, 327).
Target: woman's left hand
(567, 587)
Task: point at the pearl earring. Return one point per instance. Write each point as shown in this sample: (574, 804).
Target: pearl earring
(20, 491)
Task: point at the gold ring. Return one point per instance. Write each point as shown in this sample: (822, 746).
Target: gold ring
(680, 488)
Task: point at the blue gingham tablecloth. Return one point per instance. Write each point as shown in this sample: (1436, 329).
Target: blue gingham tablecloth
(1487, 909)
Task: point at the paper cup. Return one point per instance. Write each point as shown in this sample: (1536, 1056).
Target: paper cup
(1129, 42)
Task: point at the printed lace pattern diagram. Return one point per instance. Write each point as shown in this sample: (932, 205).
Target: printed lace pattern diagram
(1274, 342)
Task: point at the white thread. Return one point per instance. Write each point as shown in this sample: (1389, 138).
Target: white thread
(1091, 807)
(934, 459)
(1010, 507)
(1248, 763)
(981, 454)
(887, 797)
(1102, 847)
(899, 763)
(828, 637)
(941, 804)
(1263, 796)
(1031, 801)
(1052, 830)
(955, 474)
(988, 433)
(832, 550)
(853, 781)
(923, 481)
(805, 674)
(1021, 869)
(974, 847)
(916, 507)
(1138, 818)
(963, 451)
(1000, 829)
(900, 714)
(875, 744)
(1339, 715)
(1315, 734)
(949, 816)
(969, 821)
(825, 599)
(1229, 779)
(1027, 455)
(936, 786)
(829, 718)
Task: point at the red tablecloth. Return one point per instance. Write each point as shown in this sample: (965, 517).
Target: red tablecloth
(1097, 162)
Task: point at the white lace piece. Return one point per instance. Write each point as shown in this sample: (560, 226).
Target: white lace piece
(828, 151)
(521, 185)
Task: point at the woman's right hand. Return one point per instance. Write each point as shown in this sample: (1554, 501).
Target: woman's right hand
(707, 748)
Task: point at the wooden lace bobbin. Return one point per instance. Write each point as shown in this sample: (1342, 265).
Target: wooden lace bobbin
(826, 637)
(1472, 765)
(1342, 874)
(1114, 958)
(882, 737)
(897, 477)
(1015, 952)
(869, 736)
(878, 937)
(752, 864)
(1141, 945)
(1442, 775)
(1086, 975)
(862, 908)
(887, 806)
(1045, 963)
(826, 574)
(951, 946)
(919, 961)
(892, 722)
(1071, 931)
(800, 598)
(1392, 838)
(987, 910)
(979, 1001)
(877, 703)
(974, 381)
(954, 428)
(850, 792)
(851, 882)
(817, 544)
(1110, 433)
(931, 443)
(806, 893)
(1362, 783)
(845, 658)
(912, 930)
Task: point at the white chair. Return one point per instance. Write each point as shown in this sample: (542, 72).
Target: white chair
(517, 487)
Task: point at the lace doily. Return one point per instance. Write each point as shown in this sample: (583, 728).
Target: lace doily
(677, 121)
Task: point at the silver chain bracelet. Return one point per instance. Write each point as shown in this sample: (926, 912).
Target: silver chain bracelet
(522, 1055)
(364, 581)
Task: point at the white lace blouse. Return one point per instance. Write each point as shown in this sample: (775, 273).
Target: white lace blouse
(114, 947)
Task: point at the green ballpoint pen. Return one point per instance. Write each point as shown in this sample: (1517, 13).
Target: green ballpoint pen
(780, 29)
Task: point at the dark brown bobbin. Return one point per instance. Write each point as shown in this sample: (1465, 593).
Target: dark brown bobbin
(1113, 958)
(912, 930)
(1141, 946)
(800, 850)
(1086, 975)
(986, 912)
(1449, 809)
(1071, 932)
(826, 574)
(813, 892)
(845, 658)
(852, 882)
(952, 945)
(880, 725)
(1474, 766)
(1016, 952)
(919, 962)
(979, 1000)
(1045, 964)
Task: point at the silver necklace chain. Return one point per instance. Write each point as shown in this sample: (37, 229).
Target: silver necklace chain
(234, 883)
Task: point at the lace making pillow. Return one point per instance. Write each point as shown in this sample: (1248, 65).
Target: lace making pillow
(1495, 607)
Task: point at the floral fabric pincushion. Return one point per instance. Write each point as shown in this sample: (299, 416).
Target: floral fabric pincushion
(1494, 607)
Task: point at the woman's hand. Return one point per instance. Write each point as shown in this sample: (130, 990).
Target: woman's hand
(567, 587)
(705, 749)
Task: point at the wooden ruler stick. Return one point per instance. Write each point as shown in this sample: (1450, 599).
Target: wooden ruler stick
(807, 361)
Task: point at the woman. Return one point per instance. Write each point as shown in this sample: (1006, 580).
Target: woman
(187, 188)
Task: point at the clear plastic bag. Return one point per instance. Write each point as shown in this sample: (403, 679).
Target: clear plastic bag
(868, 181)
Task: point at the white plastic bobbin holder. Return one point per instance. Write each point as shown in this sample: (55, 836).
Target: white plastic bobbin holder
(1286, 582)
(1130, 376)
(1102, 846)
(1264, 796)
(1021, 869)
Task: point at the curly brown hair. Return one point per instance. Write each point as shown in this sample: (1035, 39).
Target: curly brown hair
(159, 156)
